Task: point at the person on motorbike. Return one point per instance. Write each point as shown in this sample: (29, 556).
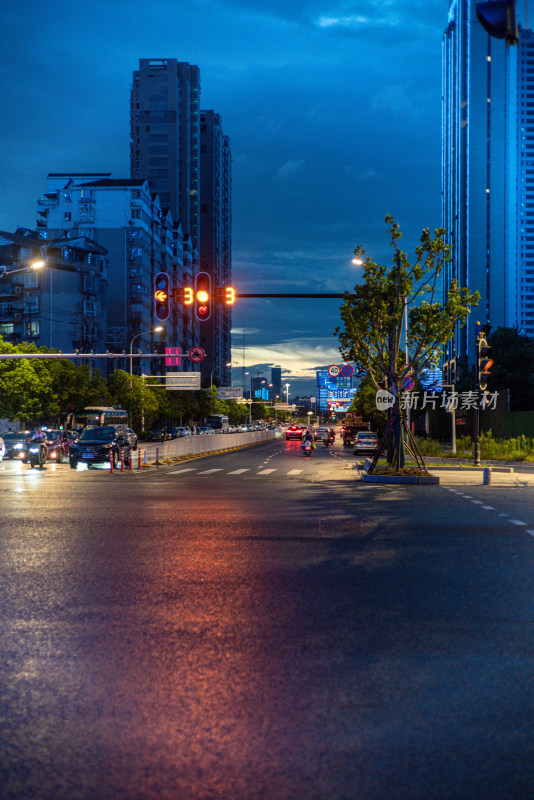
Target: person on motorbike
(40, 436)
(308, 439)
(332, 435)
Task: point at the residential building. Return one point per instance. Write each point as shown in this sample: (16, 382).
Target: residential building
(488, 176)
(125, 218)
(164, 132)
(216, 242)
(64, 304)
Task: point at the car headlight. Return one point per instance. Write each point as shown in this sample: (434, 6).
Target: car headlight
(19, 446)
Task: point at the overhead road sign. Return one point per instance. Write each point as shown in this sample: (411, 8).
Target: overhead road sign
(175, 381)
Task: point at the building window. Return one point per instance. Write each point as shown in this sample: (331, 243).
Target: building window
(89, 308)
(7, 329)
(31, 304)
(31, 328)
(31, 280)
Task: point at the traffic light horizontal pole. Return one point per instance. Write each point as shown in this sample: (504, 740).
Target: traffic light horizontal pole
(83, 355)
(296, 295)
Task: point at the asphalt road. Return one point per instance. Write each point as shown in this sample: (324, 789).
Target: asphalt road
(259, 625)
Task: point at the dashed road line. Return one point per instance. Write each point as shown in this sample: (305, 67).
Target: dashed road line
(238, 471)
(294, 472)
(178, 471)
(210, 471)
(265, 472)
(517, 522)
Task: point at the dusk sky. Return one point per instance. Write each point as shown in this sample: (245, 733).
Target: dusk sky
(333, 109)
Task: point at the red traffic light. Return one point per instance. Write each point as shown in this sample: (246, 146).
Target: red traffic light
(203, 296)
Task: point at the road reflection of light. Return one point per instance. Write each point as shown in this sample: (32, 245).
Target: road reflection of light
(81, 466)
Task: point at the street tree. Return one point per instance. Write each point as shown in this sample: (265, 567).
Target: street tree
(373, 318)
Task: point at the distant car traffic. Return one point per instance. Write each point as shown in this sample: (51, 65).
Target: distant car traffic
(58, 444)
(100, 444)
(365, 442)
(295, 432)
(15, 444)
(203, 430)
(158, 435)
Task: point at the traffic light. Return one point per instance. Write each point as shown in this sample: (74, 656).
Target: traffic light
(484, 363)
(203, 296)
(498, 18)
(162, 296)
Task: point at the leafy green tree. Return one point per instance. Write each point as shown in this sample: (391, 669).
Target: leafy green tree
(373, 316)
(130, 392)
(26, 390)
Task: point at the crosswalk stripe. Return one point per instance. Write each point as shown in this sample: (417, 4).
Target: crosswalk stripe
(294, 472)
(209, 471)
(178, 471)
(238, 471)
(266, 472)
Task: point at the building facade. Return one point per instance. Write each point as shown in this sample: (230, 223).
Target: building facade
(64, 304)
(216, 242)
(164, 133)
(488, 176)
(124, 217)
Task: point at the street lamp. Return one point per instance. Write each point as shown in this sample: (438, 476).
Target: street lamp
(137, 335)
(287, 385)
(37, 264)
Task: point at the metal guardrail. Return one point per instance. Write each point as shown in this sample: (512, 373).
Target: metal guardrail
(197, 445)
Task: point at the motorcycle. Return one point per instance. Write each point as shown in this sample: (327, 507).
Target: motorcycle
(36, 454)
(327, 442)
(308, 448)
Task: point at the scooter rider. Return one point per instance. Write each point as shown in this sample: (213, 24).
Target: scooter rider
(40, 436)
(308, 439)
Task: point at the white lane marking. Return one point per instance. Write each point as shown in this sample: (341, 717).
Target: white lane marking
(490, 508)
(178, 471)
(531, 532)
(209, 471)
(266, 472)
(238, 471)
(478, 502)
(294, 472)
(517, 522)
(502, 514)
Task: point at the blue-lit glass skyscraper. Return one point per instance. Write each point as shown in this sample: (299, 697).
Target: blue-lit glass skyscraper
(488, 173)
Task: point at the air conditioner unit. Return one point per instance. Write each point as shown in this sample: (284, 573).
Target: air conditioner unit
(17, 290)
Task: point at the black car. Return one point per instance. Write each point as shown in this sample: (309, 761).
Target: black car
(159, 435)
(16, 444)
(98, 444)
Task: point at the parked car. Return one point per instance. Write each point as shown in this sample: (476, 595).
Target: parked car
(15, 444)
(172, 433)
(158, 435)
(295, 432)
(365, 442)
(132, 438)
(58, 444)
(98, 444)
(182, 431)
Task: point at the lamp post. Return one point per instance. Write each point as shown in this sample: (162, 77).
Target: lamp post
(137, 335)
(287, 385)
(5, 271)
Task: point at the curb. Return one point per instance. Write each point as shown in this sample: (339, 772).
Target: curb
(421, 480)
